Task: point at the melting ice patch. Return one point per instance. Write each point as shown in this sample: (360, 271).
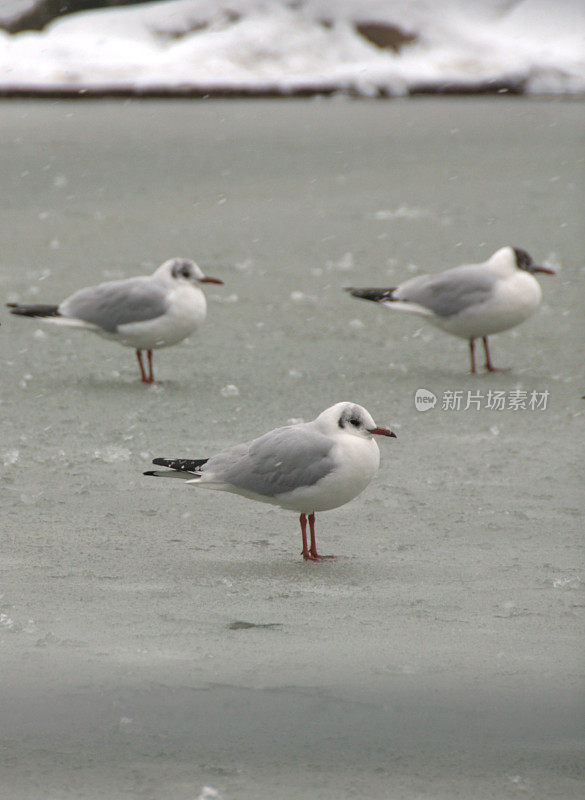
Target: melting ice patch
(230, 298)
(208, 793)
(343, 264)
(300, 297)
(7, 622)
(112, 454)
(367, 48)
(9, 457)
(402, 212)
(572, 582)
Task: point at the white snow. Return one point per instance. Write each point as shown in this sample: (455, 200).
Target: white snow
(262, 46)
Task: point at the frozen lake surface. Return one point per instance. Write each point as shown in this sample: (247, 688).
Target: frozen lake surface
(157, 639)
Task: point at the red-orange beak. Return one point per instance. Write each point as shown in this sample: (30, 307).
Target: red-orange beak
(207, 279)
(546, 270)
(382, 432)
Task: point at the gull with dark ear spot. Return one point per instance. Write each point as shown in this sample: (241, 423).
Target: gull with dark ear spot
(314, 466)
(472, 301)
(146, 313)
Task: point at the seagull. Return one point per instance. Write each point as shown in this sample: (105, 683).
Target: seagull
(146, 312)
(471, 301)
(309, 467)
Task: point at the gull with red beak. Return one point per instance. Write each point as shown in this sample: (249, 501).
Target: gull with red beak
(472, 301)
(310, 467)
(147, 312)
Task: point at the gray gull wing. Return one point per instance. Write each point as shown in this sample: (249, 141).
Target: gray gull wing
(281, 461)
(116, 303)
(449, 292)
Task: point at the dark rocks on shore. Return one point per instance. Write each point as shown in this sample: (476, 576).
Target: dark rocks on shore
(21, 15)
(34, 15)
(384, 35)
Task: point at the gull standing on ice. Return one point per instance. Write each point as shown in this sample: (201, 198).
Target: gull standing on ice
(314, 466)
(472, 301)
(146, 312)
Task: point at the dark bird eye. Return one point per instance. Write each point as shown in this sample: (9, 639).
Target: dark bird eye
(355, 422)
(523, 259)
(181, 271)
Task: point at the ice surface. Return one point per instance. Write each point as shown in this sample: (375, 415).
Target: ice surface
(315, 46)
(441, 654)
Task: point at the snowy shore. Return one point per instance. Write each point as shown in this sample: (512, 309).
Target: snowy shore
(358, 47)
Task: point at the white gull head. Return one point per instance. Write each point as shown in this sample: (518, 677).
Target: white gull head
(183, 270)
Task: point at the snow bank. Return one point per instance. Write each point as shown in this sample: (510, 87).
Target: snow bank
(250, 46)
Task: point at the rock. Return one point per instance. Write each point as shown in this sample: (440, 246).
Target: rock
(385, 36)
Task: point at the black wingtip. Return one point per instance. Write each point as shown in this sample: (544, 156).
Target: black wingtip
(374, 294)
(180, 464)
(34, 310)
(150, 472)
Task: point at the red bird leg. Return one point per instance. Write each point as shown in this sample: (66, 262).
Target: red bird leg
(472, 354)
(314, 555)
(141, 365)
(488, 362)
(151, 373)
(305, 551)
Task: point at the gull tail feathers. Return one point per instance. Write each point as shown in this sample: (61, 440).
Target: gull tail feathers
(184, 468)
(387, 298)
(33, 310)
(170, 473)
(376, 295)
